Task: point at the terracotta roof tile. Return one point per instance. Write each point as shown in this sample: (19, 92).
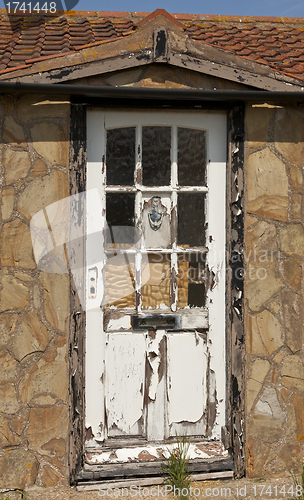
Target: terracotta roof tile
(275, 42)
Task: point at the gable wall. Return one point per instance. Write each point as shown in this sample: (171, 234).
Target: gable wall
(34, 307)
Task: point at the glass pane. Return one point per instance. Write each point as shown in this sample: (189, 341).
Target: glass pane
(120, 156)
(156, 160)
(191, 224)
(120, 218)
(191, 280)
(156, 281)
(120, 285)
(191, 157)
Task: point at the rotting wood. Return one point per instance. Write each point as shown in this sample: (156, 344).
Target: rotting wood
(151, 469)
(236, 337)
(77, 184)
(149, 481)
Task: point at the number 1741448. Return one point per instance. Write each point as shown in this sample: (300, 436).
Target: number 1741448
(30, 8)
(277, 491)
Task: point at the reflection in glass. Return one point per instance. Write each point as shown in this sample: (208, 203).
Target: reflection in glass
(191, 280)
(120, 155)
(156, 276)
(191, 157)
(191, 226)
(120, 284)
(156, 161)
(120, 218)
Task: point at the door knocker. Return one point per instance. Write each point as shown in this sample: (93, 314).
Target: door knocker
(155, 215)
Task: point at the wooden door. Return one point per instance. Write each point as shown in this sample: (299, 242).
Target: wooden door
(155, 358)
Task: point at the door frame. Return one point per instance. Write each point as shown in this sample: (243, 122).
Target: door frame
(233, 435)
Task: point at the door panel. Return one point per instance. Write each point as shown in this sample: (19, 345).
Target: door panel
(187, 383)
(160, 179)
(125, 384)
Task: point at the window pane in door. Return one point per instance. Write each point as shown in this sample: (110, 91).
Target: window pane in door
(156, 281)
(120, 284)
(156, 159)
(120, 156)
(191, 283)
(191, 157)
(191, 224)
(120, 218)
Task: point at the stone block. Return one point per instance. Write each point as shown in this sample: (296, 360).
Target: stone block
(292, 305)
(297, 403)
(267, 186)
(56, 297)
(292, 268)
(32, 336)
(291, 455)
(249, 221)
(293, 373)
(268, 404)
(292, 239)
(291, 426)
(261, 283)
(16, 165)
(264, 333)
(12, 132)
(18, 469)
(7, 202)
(295, 206)
(257, 125)
(40, 167)
(252, 390)
(259, 369)
(8, 102)
(19, 422)
(16, 244)
(289, 136)
(257, 454)
(7, 325)
(295, 177)
(8, 367)
(8, 399)
(31, 107)
(265, 428)
(49, 376)
(51, 142)
(50, 477)
(45, 426)
(13, 294)
(261, 243)
(43, 191)
(7, 437)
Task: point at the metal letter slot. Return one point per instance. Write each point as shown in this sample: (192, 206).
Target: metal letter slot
(156, 321)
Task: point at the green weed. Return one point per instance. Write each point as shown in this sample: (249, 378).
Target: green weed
(175, 468)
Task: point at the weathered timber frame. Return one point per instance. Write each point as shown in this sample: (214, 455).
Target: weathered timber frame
(234, 433)
(77, 184)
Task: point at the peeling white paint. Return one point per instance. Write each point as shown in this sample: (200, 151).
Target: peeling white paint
(187, 369)
(156, 452)
(125, 379)
(154, 362)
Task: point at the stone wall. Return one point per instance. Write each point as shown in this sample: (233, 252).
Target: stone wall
(274, 289)
(34, 305)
